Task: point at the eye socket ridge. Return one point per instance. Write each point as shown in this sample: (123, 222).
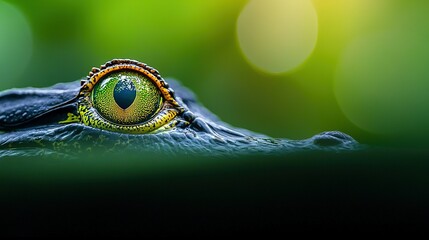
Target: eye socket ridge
(96, 74)
(163, 119)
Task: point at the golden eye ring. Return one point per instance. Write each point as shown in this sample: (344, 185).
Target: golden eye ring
(148, 116)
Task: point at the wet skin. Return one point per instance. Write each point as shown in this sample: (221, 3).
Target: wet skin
(295, 181)
(45, 121)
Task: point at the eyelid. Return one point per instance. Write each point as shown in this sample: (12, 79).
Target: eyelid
(90, 117)
(126, 64)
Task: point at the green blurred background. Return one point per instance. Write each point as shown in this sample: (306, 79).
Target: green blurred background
(285, 68)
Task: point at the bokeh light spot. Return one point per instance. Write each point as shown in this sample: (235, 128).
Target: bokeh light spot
(277, 36)
(382, 81)
(15, 44)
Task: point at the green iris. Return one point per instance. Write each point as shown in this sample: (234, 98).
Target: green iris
(126, 97)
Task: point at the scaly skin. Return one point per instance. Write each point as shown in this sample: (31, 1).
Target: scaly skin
(196, 130)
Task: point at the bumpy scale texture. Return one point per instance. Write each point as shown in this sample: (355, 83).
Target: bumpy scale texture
(204, 135)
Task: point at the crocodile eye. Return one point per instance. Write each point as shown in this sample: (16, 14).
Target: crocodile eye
(127, 96)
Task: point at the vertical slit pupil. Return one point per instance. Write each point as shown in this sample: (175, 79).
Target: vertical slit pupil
(124, 93)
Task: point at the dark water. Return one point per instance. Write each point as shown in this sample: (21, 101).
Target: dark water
(155, 195)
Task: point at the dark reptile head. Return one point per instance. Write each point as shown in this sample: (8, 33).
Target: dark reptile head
(126, 105)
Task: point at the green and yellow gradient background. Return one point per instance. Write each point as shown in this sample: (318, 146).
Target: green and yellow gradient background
(289, 69)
